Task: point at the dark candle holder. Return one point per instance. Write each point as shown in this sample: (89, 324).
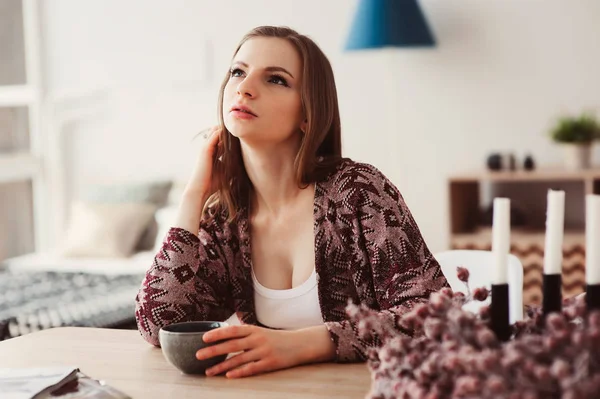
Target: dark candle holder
(499, 312)
(592, 297)
(552, 291)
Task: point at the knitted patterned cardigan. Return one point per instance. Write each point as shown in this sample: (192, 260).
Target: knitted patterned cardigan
(368, 248)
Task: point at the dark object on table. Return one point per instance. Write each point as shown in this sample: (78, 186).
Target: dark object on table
(552, 298)
(494, 162)
(512, 162)
(529, 163)
(498, 161)
(499, 312)
(181, 341)
(592, 296)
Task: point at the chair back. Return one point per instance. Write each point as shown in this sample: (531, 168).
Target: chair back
(480, 264)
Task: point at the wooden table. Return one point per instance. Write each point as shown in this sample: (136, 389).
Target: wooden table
(124, 360)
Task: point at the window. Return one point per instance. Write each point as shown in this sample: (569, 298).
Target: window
(21, 185)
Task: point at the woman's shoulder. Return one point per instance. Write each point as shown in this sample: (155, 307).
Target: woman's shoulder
(353, 174)
(359, 181)
(351, 168)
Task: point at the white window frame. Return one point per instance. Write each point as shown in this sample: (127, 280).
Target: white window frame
(29, 165)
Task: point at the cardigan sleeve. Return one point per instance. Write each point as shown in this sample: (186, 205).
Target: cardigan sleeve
(403, 270)
(188, 281)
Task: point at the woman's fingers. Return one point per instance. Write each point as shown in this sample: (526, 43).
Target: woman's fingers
(212, 136)
(209, 131)
(235, 339)
(251, 368)
(223, 348)
(234, 361)
(227, 332)
(201, 180)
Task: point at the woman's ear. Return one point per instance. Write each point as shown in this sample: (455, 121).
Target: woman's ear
(303, 126)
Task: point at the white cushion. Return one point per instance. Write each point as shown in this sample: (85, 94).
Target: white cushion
(105, 230)
(165, 218)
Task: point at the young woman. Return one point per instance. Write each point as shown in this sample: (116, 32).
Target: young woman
(276, 227)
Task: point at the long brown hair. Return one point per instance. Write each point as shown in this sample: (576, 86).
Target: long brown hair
(321, 147)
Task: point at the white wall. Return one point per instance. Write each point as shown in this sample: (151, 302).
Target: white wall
(502, 71)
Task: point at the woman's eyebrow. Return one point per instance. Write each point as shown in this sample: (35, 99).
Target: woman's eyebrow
(269, 68)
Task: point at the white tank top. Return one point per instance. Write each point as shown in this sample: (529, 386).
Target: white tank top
(288, 309)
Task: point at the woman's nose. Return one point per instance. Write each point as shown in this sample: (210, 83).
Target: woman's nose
(247, 87)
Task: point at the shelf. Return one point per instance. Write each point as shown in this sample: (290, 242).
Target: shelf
(520, 238)
(16, 96)
(18, 166)
(544, 174)
(465, 193)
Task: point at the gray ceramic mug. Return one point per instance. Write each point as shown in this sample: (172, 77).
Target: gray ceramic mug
(181, 341)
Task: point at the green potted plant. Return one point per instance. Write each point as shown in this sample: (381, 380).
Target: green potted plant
(576, 135)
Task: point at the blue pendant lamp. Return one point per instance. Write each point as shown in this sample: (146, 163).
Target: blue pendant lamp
(389, 23)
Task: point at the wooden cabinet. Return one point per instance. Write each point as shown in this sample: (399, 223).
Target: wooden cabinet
(470, 194)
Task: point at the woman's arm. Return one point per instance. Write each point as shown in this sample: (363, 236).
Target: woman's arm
(188, 280)
(190, 210)
(403, 270)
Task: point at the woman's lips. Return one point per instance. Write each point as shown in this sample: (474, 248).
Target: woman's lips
(242, 114)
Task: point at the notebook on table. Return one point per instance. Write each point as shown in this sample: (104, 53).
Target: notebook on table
(55, 383)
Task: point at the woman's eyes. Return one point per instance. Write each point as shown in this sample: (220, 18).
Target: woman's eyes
(275, 79)
(236, 72)
(279, 80)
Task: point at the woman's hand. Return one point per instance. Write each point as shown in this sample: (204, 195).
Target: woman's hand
(201, 179)
(262, 350)
(201, 184)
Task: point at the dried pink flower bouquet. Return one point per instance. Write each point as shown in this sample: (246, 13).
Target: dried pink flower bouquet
(455, 354)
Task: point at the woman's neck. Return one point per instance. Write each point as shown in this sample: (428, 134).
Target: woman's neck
(272, 174)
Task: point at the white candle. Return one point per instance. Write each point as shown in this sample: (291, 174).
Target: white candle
(555, 221)
(592, 239)
(501, 240)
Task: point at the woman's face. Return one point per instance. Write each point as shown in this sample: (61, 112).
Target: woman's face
(261, 101)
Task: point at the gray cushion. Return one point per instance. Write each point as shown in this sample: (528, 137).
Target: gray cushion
(156, 193)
